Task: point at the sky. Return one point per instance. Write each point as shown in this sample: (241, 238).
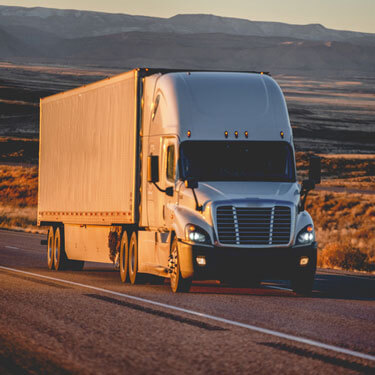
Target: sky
(356, 15)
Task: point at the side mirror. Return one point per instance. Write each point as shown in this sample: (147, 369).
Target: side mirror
(191, 183)
(153, 168)
(315, 169)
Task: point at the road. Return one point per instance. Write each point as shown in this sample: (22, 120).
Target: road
(88, 322)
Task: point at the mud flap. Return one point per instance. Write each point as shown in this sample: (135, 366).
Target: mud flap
(185, 254)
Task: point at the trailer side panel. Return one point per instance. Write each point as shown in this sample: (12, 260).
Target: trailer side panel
(88, 153)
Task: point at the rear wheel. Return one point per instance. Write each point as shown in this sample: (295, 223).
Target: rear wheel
(50, 247)
(59, 257)
(124, 257)
(134, 276)
(178, 283)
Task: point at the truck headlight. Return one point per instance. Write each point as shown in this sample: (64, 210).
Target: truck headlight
(306, 235)
(196, 234)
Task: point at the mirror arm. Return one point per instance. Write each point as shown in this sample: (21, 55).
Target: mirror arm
(159, 188)
(301, 206)
(304, 193)
(198, 207)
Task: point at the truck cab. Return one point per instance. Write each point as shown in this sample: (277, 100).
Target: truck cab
(219, 187)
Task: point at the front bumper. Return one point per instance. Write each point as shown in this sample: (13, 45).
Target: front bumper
(225, 263)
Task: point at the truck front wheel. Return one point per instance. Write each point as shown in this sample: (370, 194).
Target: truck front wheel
(178, 283)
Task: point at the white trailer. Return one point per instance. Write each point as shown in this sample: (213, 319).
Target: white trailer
(177, 174)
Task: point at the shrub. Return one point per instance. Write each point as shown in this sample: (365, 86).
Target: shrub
(345, 256)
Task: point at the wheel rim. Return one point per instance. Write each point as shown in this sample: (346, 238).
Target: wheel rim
(132, 257)
(123, 260)
(50, 248)
(57, 249)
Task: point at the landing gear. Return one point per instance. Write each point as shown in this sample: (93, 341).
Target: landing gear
(178, 283)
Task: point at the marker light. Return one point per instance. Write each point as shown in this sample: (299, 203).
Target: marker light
(309, 228)
(226, 134)
(246, 134)
(236, 134)
(303, 261)
(201, 260)
(282, 134)
(189, 133)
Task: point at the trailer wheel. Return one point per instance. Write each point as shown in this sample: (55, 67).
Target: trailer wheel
(50, 247)
(178, 283)
(59, 257)
(124, 257)
(302, 283)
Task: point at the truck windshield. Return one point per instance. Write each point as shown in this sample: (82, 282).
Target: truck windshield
(237, 161)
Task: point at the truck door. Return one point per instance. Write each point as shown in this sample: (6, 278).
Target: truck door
(166, 214)
(159, 200)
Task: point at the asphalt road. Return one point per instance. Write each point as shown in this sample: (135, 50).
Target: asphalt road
(88, 322)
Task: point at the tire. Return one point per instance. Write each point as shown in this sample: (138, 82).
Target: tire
(302, 283)
(59, 257)
(134, 276)
(50, 248)
(124, 257)
(178, 283)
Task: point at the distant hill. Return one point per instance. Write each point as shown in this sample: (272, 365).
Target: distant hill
(194, 41)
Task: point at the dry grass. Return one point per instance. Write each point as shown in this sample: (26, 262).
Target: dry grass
(18, 197)
(345, 223)
(345, 227)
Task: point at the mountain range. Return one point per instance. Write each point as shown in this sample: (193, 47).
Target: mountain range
(196, 41)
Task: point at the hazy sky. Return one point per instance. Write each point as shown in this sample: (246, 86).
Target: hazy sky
(357, 15)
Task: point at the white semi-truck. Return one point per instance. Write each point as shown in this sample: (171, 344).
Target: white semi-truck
(176, 174)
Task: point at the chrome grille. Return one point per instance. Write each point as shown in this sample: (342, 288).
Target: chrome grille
(253, 225)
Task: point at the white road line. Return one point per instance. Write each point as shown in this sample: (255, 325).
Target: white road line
(208, 316)
(278, 287)
(12, 247)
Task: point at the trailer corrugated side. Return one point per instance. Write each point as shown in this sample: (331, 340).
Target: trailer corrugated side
(87, 157)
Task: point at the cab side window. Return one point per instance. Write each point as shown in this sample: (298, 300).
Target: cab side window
(171, 170)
